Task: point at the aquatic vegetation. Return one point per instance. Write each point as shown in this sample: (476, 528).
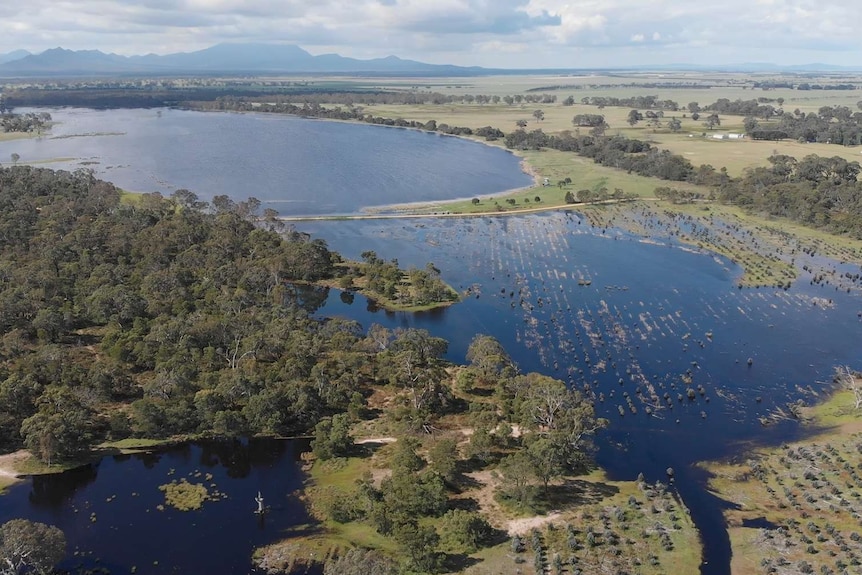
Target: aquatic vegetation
(185, 496)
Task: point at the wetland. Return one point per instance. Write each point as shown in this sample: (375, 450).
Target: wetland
(685, 363)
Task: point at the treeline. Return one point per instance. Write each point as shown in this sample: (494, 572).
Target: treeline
(164, 316)
(772, 85)
(637, 102)
(107, 98)
(830, 124)
(356, 113)
(364, 98)
(28, 122)
(613, 151)
(755, 108)
(816, 191)
(642, 85)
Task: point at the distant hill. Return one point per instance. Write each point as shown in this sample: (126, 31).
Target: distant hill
(290, 59)
(258, 58)
(16, 55)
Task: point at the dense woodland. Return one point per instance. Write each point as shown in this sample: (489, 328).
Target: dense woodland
(169, 316)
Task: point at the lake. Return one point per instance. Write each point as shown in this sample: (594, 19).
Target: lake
(622, 317)
(297, 166)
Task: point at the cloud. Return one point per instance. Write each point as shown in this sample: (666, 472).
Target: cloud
(485, 32)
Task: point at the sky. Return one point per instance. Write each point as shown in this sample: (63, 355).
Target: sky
(490, 33)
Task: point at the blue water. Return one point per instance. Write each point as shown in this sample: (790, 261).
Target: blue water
(109, 511)
(294, 165)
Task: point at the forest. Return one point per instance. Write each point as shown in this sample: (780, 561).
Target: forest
(169, 316)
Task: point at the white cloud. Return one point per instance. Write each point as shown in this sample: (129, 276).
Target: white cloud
(507, 33)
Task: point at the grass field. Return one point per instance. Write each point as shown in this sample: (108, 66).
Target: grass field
(694, 141)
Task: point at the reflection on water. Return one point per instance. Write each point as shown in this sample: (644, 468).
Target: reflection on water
(294, 165)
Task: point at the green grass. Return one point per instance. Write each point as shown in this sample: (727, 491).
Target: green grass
(837, 411)
(133, 444)
(32, 466)
(130, 198)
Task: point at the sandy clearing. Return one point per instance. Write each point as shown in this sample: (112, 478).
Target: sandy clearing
(8, 463)
(526, 524)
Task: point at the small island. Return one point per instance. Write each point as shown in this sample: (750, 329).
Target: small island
(391, 287)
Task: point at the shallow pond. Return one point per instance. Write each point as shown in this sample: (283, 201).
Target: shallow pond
(114, 515)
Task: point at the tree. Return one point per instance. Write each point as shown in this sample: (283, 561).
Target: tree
(674, 124)
(547, 458)
(61, 427)
(634, 117)
(419, 544)
(585, 195)
(563, 415)
(487, 356)
(444, 458)
(481, 444)
(15, 157)
(516, 474)
(414, 363)
(750, 124)
(712, 121)
(598, 131)
(521, 123)
(570, 197)
(538, 115)
(332, 437)
(30, 547)
(464, 531)
(404, 458)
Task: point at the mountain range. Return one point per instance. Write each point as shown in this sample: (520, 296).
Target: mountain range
(221, 58)
(289, 59)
